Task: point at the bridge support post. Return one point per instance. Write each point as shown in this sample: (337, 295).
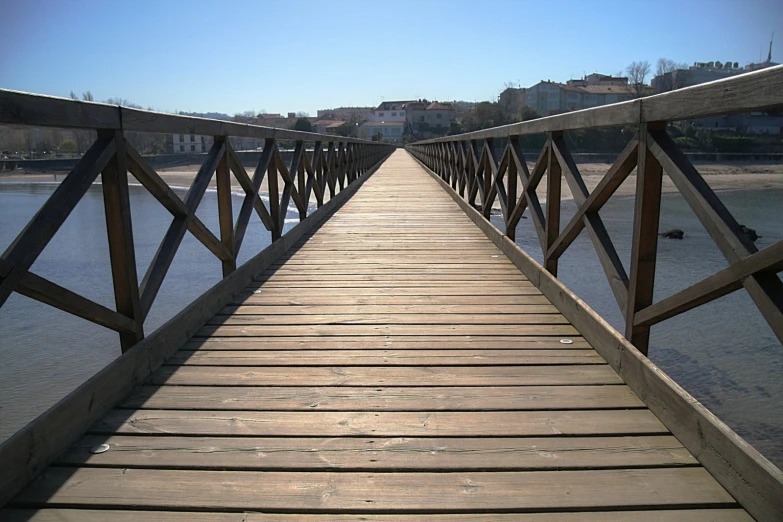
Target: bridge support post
(644, 250)
(552, 224)
(116, 203)
(225, 212)
(274, 197)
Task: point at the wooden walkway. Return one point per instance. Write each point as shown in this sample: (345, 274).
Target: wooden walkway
(397, 363)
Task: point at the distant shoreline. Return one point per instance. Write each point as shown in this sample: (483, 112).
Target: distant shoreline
(720, 176)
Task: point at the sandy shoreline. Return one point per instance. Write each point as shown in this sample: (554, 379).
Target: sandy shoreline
(720, 177)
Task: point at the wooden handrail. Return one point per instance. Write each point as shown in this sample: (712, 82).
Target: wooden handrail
(469, 164)
(112, 157)
(38, 110)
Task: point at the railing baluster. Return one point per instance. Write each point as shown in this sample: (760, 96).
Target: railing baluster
(511, 188)
(553, 188)
(119, 231)
(225, 212)
(274, 195)
(644, 249)
(330, 172)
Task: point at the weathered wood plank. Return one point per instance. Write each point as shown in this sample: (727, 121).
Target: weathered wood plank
(367, 454)
(385, 358)
(745, 473)
(370, 309)
(387, 319)
(424, 289)
(385, 376)
(388, 329)
(419, 343)
(30, 450)
(380, 424)
(269, 299)
(296, 398)
(118, 515)
(331, 492)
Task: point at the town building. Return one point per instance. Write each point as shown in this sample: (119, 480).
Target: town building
(389, 111)
(440, 115)
(327, 126)
(416, 115)
(512, 100)
(758, 122)
(548, 98)
(703, 72)
(186, 143)
(389, 130)
(352, 114)
(423, 116)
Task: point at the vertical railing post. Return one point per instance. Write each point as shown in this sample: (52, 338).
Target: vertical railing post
(511, 185)
(329, 174)
(301, 183)
(225, 212)
(644, 250)
(472, 179)
(553, 185)
(340, 167)
(274, 196)
(119, 229)
(486, 204)
(463, 171)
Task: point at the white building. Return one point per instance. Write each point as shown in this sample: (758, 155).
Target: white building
(182, 143)
(389, 130)
(549, 98)
(389, 111)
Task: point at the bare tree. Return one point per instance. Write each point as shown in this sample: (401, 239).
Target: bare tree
(670, 75)
(123, 102)
(637, 73)
(302, 114)
(87, 96)
(73, 96)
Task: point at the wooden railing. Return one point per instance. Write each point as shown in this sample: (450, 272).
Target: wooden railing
(474, 166)
(331, 164)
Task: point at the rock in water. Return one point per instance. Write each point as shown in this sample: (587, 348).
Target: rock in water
(674, 233)
(750, 232)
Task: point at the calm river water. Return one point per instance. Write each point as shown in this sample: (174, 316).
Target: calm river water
(723, 353)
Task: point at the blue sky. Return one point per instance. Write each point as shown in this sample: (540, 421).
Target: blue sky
(231, 56)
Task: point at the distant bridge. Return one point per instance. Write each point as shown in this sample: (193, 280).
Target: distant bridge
(394, 355)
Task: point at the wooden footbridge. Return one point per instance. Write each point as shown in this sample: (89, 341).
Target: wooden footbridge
(394, 356)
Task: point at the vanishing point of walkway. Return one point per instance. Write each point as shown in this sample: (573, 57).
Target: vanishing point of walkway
(396, 363)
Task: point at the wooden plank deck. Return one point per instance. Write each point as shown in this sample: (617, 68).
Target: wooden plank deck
(395, 367)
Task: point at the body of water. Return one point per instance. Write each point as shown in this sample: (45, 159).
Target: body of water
(723, 353)
(46, 353)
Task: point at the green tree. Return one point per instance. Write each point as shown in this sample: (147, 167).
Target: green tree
(68, 146)
(378, 136)
(303, 124)
(483, 116)
(347, 129)
(528, 113)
